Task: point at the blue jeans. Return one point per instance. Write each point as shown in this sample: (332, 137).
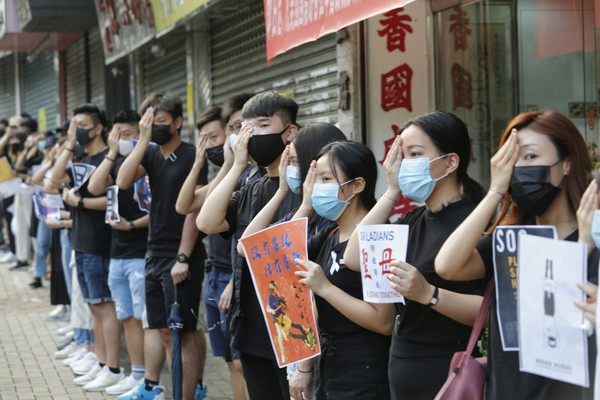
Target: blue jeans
(92, 274)
(216, 281)
(65, 247)
(42, 248)
(126, 283)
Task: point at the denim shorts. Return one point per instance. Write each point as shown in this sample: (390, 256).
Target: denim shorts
(220, 339)
(92, 274)
(126, 283)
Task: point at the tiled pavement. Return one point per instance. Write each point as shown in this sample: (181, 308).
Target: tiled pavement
(28, 369)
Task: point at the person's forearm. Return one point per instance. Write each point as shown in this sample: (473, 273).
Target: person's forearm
(128, 173)
(211, 218)
(142, 222)
(58, 171)
(38, 177)
(94, 203)
(377, 215)
(374, 317)
(101, 178)
(456, 260)
(187, 193)
(189, 235)
(462, 308)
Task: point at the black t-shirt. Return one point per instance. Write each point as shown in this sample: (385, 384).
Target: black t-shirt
(424, 331)
(505, 381)
(128, 244)
(251, 334)
(166, 177)
(90, 233)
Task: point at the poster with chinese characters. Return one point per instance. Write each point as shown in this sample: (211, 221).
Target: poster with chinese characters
(112, 204)
(286, 304)
(81, 174)
(505, 245)
(398, 81)
(379, 246)
(552, 341)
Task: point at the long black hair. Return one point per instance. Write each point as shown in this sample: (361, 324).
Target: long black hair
(449, 134)
(356, 161)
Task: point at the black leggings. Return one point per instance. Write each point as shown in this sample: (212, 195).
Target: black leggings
(264, 379)
(417, 378)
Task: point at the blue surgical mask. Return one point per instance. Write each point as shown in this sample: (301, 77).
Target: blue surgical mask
(292, 177)
(596, 228)
(415, 179)
(325, 200)
(41, 146)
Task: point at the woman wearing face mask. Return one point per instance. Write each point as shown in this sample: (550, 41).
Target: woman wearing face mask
(539, 175)
(428, 163)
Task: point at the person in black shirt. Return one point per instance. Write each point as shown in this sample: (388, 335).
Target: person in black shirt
(175, 251)
(270, 122)
(128, 247)
(90, 238)
(549, 146)
(429, 333)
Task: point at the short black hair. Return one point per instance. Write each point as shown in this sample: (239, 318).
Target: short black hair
(4, 121)
(91, 110)
(127, 117)
(234, 104)
(25, 115)
(271, 103)
(30, 124)
(213, 114)
(168, 102)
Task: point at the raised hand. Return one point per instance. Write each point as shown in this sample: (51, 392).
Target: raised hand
(503, 162)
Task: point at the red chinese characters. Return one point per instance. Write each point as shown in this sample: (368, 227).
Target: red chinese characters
(462, 88)
(386, 259)
(365, 264)
(396, 88)
(395, 28)
(460, 29)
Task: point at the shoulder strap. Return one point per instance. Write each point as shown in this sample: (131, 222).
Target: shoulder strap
(481, 316)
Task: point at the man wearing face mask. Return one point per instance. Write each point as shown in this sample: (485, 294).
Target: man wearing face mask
(175, 251)
(270, 123)
(90, 236)
(128, 247)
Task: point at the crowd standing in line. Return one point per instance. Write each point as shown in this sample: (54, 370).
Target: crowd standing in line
(129, 266)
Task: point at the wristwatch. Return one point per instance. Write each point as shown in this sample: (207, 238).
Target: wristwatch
(435, 297)
(183, 258)
(132, 226)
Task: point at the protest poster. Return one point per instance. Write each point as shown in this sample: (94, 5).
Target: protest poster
(505, 245)
(379, 246)
(44, 212)
(50, 199)
(12, 186)
(552, 341)
(81, 174)
(286, 304)
(112, 204)
(6, 172)
(142, 193)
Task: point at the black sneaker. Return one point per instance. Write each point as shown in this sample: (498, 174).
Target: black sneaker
(36, 283)
(19, 264)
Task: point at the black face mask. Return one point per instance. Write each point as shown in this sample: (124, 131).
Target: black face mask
(265, 149)
(531, 189)
(16, 147)
(161, 134)
(83, 136)
(216, 155)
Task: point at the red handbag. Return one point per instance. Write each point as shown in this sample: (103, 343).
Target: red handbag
(467, 375)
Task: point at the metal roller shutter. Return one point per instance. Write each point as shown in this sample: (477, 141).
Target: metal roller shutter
(167, 74)
(40, 78)
(75, 76)
(308, 72)
(7, 86)
(97, 69)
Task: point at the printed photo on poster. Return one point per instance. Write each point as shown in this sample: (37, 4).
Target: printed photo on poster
(286, 304)
(505, 245)
(112, 204)
(43, 211)
(379, 246)
(552, 341)
(142, 193)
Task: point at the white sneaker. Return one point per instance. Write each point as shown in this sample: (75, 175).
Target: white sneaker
(84, 365)
(124, 385)
(90, 376)
(65, 351)
(64, 330)
(104, 379)
(75, 356)
(8, 257)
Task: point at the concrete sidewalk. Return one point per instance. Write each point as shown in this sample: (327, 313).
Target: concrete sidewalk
(28, 369)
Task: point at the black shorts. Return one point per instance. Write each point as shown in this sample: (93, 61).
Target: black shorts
(160, 291)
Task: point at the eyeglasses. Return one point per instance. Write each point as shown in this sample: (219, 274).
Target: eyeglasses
(234, 128)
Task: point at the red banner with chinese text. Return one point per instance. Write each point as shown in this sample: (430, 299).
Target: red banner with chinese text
(290, 23)
(286, 304)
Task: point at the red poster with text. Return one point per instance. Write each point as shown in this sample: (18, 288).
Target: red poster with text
(287, 305)
(290, 23)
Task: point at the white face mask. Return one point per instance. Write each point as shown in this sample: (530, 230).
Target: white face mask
(232, 138)
(125, 147)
